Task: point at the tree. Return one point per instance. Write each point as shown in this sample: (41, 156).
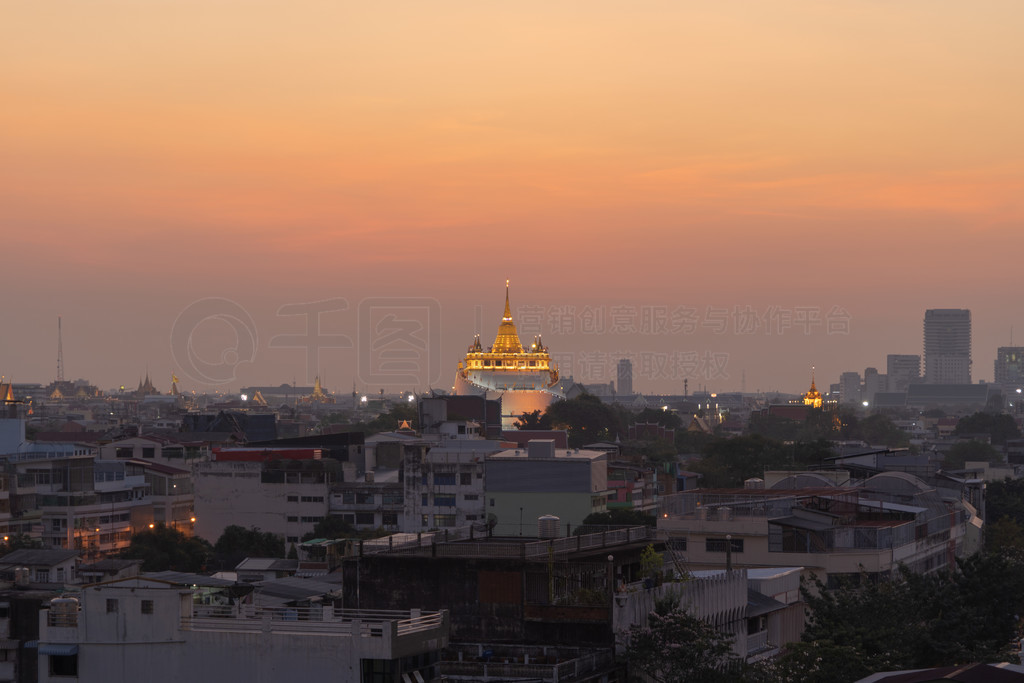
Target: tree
(533, 420)
(976, 451)
(1003, 535)
(1005, 499)
(332, 526)
(163, 548)
(238, 543)
(913, 621)
(586, 418)
(879, 430)
(620, 517)
(675, 646)
(998, 427)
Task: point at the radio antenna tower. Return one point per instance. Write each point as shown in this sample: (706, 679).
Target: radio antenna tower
(60, 354)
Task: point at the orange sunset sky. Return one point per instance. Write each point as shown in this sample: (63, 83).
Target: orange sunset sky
(862, 158)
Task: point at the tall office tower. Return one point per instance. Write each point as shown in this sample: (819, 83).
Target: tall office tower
(903, 370)
(947, 346)
(849, 387)
(1010, 367)
(624, 377)
(874, 383)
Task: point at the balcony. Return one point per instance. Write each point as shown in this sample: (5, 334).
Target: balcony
(526, 663)
(396, 632)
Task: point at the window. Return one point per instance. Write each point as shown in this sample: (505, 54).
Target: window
(717, 545)
(312, 499)
(311, 520)
(364, 518)
(424, 520)
(389, 518)
(348, 498)
(293, 499)
(147, 607)
(393, 499)
(444, 479)
(444, 520)
(492, 502)
(149, 452)
(466, 478)
(42, 575)
(678, 544)
(425, 499)
(111, 606)
(364, 499)
(63, 665)
(470, 496)
(293, 518)
(445, 500)
(292, 539)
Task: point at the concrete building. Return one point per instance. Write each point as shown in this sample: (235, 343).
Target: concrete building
(45, 566)
(832, 531)
(147, 629)
(162, 450)
(287, 499)
(444, 485)
(947, 346)
(375, 501)
(902, 370)
(524, 485)
(172, 495)
(80, 503)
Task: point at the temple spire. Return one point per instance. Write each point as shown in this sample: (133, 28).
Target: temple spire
(507, 340)
(508, 308)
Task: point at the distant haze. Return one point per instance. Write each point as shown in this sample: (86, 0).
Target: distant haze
(832, 163)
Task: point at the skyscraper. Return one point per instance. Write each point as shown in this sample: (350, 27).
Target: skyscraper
(903, 370)
(1009, 367)
(624, 377)
(947, 346)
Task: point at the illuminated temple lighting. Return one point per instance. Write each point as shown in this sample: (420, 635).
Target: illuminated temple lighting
(813, 396)
(524, 379)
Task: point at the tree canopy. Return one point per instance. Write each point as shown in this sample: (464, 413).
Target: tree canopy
(238, 543)
(998, 427)
(914, 621)
(586, 418)
(975, 451)
(675, 647)
(163, 548)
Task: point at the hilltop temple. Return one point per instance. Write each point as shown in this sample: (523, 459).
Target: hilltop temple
(524, 379)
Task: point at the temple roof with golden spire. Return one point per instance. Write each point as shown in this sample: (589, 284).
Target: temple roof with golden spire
(507, 340)
(813, 396)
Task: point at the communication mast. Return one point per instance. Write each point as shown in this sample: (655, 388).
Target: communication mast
(60, 354)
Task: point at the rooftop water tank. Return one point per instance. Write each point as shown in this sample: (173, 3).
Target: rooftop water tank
(547, 526)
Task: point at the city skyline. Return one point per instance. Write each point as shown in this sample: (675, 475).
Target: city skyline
(594, 360)
(861, 159)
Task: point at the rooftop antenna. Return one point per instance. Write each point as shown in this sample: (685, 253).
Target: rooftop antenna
(60, 353)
